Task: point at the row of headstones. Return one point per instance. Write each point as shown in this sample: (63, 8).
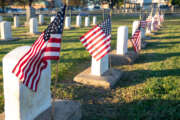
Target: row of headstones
(67, 25)
(122, 45)
(29, 105)
(33, 24)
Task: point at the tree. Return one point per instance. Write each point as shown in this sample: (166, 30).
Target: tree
(75, 2)
(175, 2)
(113, 3)
(4, 3)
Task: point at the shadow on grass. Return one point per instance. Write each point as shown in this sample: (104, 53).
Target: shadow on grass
(157, 109)
(167, 37)
(170, 43)
(155, 57)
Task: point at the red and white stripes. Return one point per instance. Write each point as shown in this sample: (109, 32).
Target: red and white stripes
(30, 66)
(96, 42)
(136, 40)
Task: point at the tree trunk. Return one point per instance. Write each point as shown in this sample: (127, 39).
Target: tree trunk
(30, 13)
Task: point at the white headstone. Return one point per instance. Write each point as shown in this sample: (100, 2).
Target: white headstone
(33, 25)
(16, 21)
(94, 20)
(99, 67)
(52, 18)
(152, 25)
(135, 26)
(148, 28)
(20, 102)
(6, 30)
(41, 19)
(87, 21)
(159, 21)
(78, 21)
(1, 18)
(143, 33)
(122, 40)
(68, 22)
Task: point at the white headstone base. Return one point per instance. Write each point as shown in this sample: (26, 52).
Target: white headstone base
(118, 59)
(64, 110)
(107, 80)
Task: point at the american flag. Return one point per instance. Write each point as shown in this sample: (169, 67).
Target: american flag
(98, 40)
(46, 47)
(136, 40)
(143, 24)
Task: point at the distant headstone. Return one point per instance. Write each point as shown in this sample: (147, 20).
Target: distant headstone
(16, 21)
(148, 28)
(1, 18)
(152, 24)
(94, 20)
(52, 18)
(159, 21)
(78, 21)
(67, 22)
(21, 103)
(122, 40)
(33, 26)
(143, 32)
(41, 19)
(87, 21)
(5, 30)
(135, 26)
(100, 66)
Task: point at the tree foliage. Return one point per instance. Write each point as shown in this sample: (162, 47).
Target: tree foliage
(113, 3)
(74, 2)
(175, 2)
(23, 2)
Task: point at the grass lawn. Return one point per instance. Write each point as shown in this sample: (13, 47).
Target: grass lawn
(149, 89)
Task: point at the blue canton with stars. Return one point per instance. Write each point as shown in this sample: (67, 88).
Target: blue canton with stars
(106, 26)
(56, 26)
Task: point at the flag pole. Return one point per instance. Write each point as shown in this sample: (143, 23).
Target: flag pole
(110, 14)
(57, 77)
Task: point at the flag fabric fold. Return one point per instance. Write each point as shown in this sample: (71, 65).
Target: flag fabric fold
(136, 40)
(46, 47)
(98, 40)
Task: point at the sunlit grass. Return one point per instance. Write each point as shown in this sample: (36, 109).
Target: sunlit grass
(149, 89)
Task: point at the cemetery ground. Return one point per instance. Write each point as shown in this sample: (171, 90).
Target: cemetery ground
(149, 88)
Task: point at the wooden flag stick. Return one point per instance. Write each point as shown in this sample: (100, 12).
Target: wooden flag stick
(56, 80)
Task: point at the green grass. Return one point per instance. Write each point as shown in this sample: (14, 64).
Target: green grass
(149, 89)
